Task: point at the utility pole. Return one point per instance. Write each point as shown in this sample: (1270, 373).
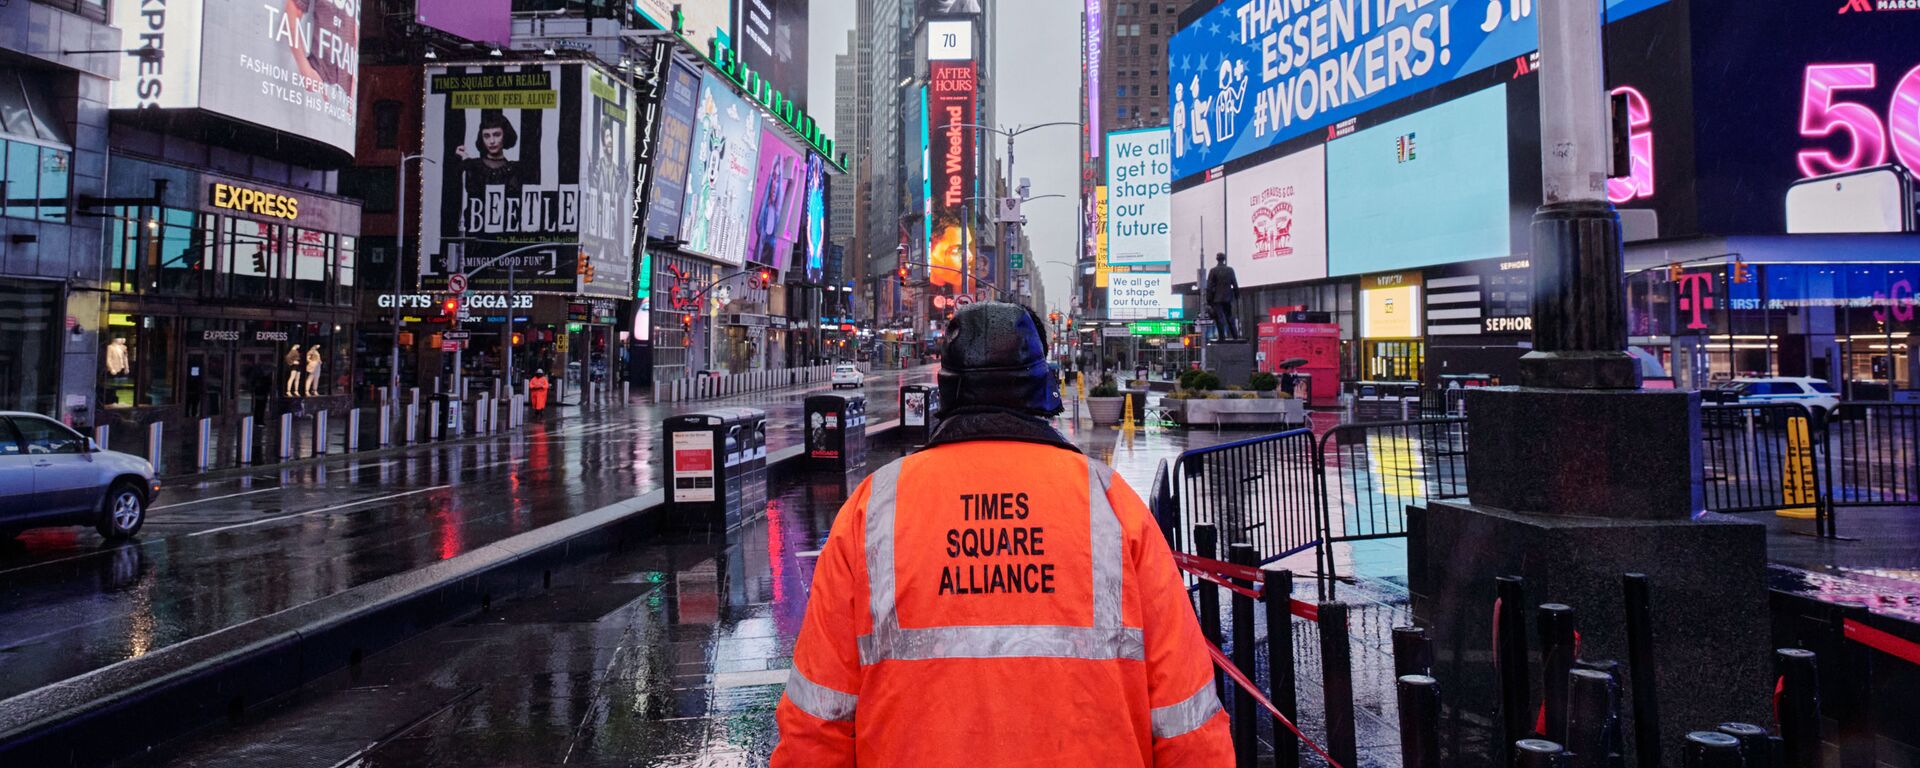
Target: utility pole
(399, 259)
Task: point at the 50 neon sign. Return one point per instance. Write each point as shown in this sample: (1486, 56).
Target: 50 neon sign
(1823, 114)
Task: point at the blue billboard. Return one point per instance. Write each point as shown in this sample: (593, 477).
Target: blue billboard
(1429, 188)
(1250, 74)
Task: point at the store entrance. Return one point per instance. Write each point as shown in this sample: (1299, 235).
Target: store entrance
(1393, 360)
(254, 380)
(208, 387)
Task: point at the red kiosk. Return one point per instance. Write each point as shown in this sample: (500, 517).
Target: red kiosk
(1317, 343)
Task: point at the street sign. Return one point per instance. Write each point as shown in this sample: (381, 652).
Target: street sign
(1155, 328)
(1115, 332)
(1016, 261)
(456, 284)
(456, 335)
(449, 345)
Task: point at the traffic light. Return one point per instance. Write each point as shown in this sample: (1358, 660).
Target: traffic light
(1053, 317)
(902, 273)
(450, 307)
(1741, 272)
(585, 266)
(766, 278)
(518, 339)
(1674, 271)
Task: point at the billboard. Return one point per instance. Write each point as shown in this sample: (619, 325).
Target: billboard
(1090, 58)
(949, 41)
(482, 21)
(952, 94)
(703, 18)
(771, 36)
(1277, 219)
(289, 65)
(816, 217)
(1199, 228)
(1250, 74)
(525, 155)
(1139, 196)
(1141, 296)
(1827, 137)
(716, 215)
(950, 8)
(778, 201)
(671, 151)
(1428, 188)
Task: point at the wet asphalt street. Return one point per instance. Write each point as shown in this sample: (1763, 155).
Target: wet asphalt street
(225, 550)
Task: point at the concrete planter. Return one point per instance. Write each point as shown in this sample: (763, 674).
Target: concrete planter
(1106, 410)
(1253, 412)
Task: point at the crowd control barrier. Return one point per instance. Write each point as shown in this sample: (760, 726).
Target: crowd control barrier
(711, 384)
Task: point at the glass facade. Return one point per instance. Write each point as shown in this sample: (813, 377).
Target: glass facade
(30, 312)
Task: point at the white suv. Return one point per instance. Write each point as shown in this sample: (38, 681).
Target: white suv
(848, 376)
(1816, 394)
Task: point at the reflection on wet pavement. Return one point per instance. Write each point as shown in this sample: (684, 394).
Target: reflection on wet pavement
(230, 549)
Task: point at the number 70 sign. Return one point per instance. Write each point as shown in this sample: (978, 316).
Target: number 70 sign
(1824, 112)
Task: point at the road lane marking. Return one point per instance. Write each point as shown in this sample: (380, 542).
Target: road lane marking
(334, 508)
(217, 498)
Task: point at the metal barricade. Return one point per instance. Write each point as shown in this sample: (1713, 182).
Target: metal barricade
(1262, 491)
(1370, 473)
(1872, 455)
(1753, 454)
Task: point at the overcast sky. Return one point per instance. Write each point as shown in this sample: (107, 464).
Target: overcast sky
(1038, 82)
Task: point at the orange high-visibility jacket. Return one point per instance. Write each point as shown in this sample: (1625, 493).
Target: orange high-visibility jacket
(999, 603)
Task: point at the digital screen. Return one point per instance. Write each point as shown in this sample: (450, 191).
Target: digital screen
(1141, 296)
(717, 214)
(1250, 74)
(670, 153)
(1428, 188)
(1390, 313)
(1139, 197)
(949, 40)
(778, 201)
(1277, 220)
(482, 21)
(1200, 228)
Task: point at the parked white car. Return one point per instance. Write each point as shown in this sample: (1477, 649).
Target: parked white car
(1816, 394)
(848, 376)
(53, 476)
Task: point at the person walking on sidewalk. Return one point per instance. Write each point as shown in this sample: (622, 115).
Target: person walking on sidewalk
(998, 598)
(537, 391)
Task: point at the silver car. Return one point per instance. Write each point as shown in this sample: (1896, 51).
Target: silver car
(51, 475)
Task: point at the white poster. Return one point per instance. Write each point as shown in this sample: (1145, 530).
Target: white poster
(1141, 296)
(1277, 220)
(289, 65)
(1139, 196)
(1199, 229)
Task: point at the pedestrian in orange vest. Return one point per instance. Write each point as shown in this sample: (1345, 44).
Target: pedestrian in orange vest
(998, 598)
(537, 391)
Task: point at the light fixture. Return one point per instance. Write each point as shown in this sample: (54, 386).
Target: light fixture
(431, 56)
(549, 52)
(496, 53)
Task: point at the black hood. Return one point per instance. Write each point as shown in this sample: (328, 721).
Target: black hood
(996, 356)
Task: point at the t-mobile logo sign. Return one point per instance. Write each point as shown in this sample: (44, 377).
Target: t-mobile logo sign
(1695, 292)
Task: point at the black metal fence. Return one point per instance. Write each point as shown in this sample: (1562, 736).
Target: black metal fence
(1264, 491)
(1787, 458)
(1370, 473)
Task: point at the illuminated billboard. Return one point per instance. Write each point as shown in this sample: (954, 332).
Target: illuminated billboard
(1276, 217)
(289, 65)
(671, 151)
(949, 41)
(718, 210)
(1199, 229)
(1139, 196)
(1141, 296)
(1429, 188)
(778, 204)
(482, 21)
(952, 95)
(529, 155)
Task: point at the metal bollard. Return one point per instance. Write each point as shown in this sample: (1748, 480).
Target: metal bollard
(1205, 537)
(1555, 622)
(626, 393)
(156, 441)
(1640, 665)
(1799, 709)
(1412, 652)
(1336, 662)
(413, 423)
(433, 423)
(480, 411)
(1538, 753)
(1593, 719)
(320, 429)
(1246, 728)
(1419, 700)
(101, 434)
(1510, 658)
(493, 414)
(203, 458)
(1711, 749)
(458, 414)
(1756, 749)
(246, 441)
(353, 430)
(286, 436)
(1277, 591)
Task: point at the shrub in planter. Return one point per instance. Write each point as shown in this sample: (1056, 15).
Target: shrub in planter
(1262, 381)
(1104, 389)
(1199, 380)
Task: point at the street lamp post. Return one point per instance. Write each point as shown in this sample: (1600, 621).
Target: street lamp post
(399, 258)
(1011, 135)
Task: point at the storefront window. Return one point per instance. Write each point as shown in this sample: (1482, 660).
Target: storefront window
(255, 255)
(346, 256)
(180, 252)
(22, 179)
(29, 320)
(312, 256)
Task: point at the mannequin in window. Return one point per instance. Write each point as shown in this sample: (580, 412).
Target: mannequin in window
(117, 364)
(293, 372)
(314, 361)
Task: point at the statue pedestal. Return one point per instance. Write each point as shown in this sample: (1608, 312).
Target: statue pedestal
(1570, 490)
(1232, 361)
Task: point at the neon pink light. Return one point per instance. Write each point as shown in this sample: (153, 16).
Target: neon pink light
(1820, 116)
(1903, 116)
(1695, 290)
(1638, 182)
(1899, 303)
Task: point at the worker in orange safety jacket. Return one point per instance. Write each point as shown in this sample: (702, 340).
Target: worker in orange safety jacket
(998, 598)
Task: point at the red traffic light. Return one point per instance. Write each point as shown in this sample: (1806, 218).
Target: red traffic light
(450, 306)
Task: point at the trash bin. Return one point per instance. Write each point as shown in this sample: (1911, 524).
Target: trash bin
(918, 404)
(836, 426)
(710, 459)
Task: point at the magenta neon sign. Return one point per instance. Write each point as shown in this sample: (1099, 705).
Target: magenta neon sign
(1638, 183)
(1824, 113)
(1695, 291)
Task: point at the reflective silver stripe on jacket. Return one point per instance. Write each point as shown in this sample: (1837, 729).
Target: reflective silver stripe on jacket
(1108, 638)
(1181, 718)
(818, 700)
